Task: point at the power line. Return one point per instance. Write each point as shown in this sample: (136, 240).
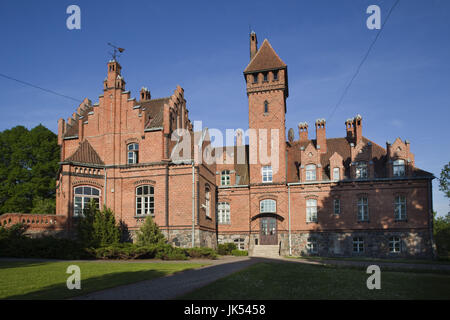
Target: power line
(40, 88)
(362, 61)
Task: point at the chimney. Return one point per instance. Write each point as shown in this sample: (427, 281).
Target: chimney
(349, 128)
(303, 131)
(321, 137)
(145, 94)
(253, 44)
(113, 74)
(358, 128)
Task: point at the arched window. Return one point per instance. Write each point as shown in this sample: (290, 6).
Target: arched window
(82, 197)
(223, 213)
(361, 170)
(266, 107)
(310, 172)
(207, 202)
(133, 152)
(267, 206)
(399, 168)
(145, 200)
(225, 178)
(311, 210)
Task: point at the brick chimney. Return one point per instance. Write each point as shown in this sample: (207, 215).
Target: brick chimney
(145, 94)
(253, 44)
(303, 131)
(321, 136)
(357, 122)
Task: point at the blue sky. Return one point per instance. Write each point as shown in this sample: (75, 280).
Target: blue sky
(402, 90)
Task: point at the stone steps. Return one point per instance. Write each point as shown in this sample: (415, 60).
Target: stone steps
(265, 251)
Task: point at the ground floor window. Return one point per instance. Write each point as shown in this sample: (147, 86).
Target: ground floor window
(311, 245)
(394, 244)
(240, 243)
(358, 244)
(83, 195)
(145, 200)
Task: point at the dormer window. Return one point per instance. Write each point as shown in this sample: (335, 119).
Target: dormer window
(361, 170)
(133, 152)
(266, 107)
(399, 168)
(310, 172)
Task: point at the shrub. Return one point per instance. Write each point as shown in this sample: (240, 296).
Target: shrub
(98, 228)
(237, 252)
(205, 253)
(226, 248)
(149, 233)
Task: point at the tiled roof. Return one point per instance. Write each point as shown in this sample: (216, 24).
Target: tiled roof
(154, 112)
(265, 59)
(85, 154)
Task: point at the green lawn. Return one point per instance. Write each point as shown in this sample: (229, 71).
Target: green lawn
(47, 280)
(301, 281)
(364, 259)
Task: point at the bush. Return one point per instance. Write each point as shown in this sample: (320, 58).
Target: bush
(150, 234)
(238, 253)
(98, 228)
(202, 253)
(226, 248)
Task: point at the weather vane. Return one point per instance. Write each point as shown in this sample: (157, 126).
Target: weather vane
(116, 49)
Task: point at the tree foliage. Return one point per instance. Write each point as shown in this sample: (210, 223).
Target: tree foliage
(98, 228)
(444, 180)
(442, 235)
(28, 168)
(149, 233)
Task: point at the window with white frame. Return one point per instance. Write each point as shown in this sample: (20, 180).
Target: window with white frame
(336, 174)
(336, 206)
(133, 152)
(310, 172)
(363, 208)
(267, 174)
(399, 168)
(361, 170)
(145, 200)
(358, 244)
(400, 207)
(311, 210)
(311, 245)
(223, 213)
(225, 178)
(82, 196)
(240, 243)
(394, 244)
(267, 206)
(207, 202)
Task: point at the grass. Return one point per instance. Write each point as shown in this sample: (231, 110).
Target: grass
(290, 281)
(47, 280)
(367, 259)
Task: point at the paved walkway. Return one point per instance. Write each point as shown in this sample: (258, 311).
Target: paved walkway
(173, 286)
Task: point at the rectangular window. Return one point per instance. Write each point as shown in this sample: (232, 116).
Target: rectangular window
(311, 210)
(400, 208)
(336, 174)
(394, 245)
(267, 174)
(275, 75)
(363, 209)
(310, 172)
(311, 245)
(265, 76)
(223, 213)
(337, 206)
(240, 243)
(358, 244)
(361, 170)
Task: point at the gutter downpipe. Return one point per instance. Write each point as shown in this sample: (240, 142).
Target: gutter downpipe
(193, 203)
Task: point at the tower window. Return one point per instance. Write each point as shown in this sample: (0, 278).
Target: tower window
(266, 174)
(133, 151)
(275, 75)
(265, 76)
(225, 178)
(255, 78)
(266, 107)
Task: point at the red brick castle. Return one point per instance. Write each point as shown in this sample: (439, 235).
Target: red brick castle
(327, 196)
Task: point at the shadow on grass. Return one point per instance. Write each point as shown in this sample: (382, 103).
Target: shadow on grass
(60, 291)
(20, 263)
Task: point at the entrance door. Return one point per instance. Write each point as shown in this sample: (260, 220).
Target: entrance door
(268, 231)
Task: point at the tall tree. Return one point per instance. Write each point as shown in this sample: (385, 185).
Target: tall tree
(444, 180)
(28, 168)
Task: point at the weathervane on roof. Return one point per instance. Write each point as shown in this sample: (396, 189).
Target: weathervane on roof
(116, 49)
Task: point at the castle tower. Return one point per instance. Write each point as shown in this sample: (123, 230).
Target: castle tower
(267, 90)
